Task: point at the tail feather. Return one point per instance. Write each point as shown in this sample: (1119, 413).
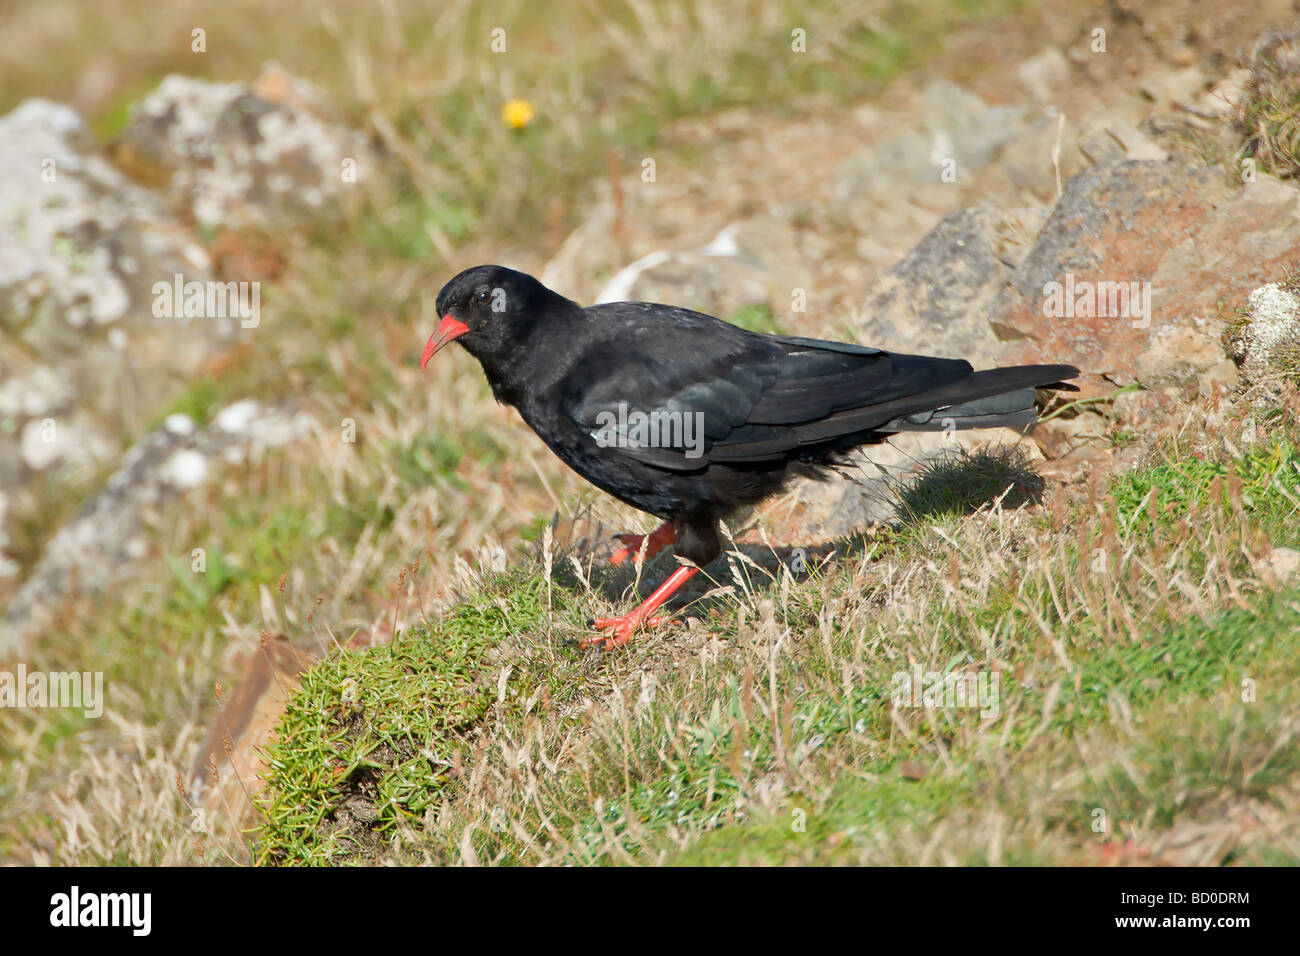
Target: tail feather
(1015, 409)
(995, 398)
(990, 395)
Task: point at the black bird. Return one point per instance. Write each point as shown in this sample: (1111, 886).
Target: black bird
(690, 418)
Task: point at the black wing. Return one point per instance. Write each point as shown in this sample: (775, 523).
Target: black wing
(681, 390)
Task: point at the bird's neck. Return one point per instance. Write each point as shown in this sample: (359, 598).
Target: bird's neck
(542, 353)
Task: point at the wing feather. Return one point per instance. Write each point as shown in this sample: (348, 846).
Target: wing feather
(753, 398)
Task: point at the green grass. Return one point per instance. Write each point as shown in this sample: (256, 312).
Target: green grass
(1259, 481)
(374, 740)
(371, 745)
(756, 318)
(764, 757)
(1184, 686)
(639, 67)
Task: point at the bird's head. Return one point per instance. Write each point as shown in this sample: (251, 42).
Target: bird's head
(488, 309)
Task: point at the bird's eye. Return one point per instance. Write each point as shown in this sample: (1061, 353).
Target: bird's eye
(483, 296)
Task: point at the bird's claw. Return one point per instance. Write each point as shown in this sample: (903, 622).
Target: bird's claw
(623, 628)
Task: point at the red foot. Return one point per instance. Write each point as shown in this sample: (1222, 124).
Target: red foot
(660, 538)
(624, 627)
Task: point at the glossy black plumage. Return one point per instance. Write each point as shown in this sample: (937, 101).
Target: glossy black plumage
(768, 407)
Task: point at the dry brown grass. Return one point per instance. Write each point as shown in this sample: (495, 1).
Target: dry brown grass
(701, 742)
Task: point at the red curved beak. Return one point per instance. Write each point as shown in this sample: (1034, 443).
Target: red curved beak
(449, 329)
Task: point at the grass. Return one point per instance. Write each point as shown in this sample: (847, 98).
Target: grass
(1268, 116)
(480, 735)
(380, 729)
(1184, 746)
(756, 318)
(769, 734)
(336, 519)
(430, 86)
(961, 484)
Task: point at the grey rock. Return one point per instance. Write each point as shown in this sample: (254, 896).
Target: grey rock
(717, 285)
(69, 223)
(236, 155)
(39, 393)
(1268, 342)
(871, 493)
(1280, 565)
(1129, 277)
(1179, 354)
(84, 361)
(1043, 75)
(965, 127)
(586, 252)
(745, 265)
(938, 298)
(108, 536)
(1224, 376)
(1099, 147)
(1115, 140)
(959, 126)
(1173, 87)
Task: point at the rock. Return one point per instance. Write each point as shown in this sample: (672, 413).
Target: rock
(39, 393)
(966, 128)
(1044, 74)
(938, 298)
(1170, 88)
(1222, 378)
(717, 285)
(1225, 97)
(1027, 161)
(76, 441)
(1268, 342)
(1140, 256)
(104, 540)
(74, 233)
(8, 568)
(869, 495)
(1101, 148)
(235, 156)
(1224, 375)
(586, 252)
(1280, 565)
(1060, 437)
(1142, 407)
(84, 360)
(1116, 140)
(960, 127)
(1176, 355)
(719, 279)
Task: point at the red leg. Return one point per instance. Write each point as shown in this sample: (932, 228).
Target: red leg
(660, 538)
(626, 625)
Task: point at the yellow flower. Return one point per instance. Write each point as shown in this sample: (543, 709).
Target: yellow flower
(517, 114)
